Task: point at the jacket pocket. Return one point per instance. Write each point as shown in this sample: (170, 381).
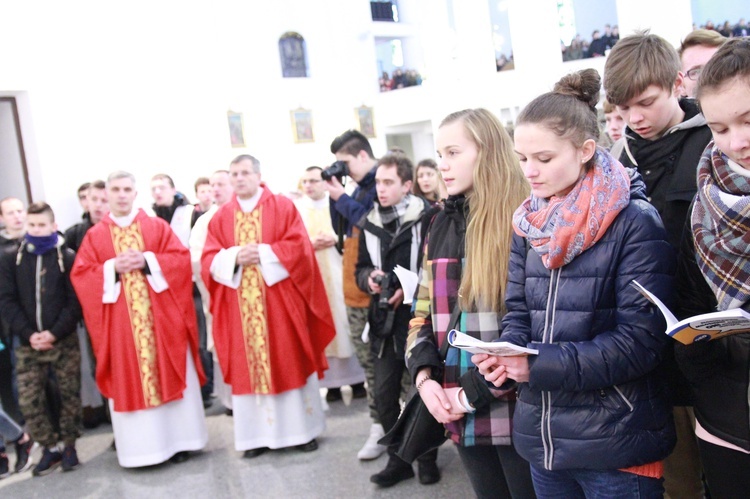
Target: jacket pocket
(614, 400)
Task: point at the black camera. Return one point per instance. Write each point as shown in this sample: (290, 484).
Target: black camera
(338, 169)
(387, 283)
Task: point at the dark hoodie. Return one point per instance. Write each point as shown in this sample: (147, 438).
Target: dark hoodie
(167, 212)
(668, 166)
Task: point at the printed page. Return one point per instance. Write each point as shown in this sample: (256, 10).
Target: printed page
(409, 281)
(501, 348)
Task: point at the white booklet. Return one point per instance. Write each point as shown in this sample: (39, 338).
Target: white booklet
(704, 327)
(500, 348)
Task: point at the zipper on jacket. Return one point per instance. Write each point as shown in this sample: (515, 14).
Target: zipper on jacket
(549, 327)
(624, 398)
(38, 293)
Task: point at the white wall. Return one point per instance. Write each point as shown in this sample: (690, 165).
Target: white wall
(145, 86)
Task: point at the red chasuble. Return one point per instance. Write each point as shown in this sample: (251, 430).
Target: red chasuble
(140, 341)
(269, 339)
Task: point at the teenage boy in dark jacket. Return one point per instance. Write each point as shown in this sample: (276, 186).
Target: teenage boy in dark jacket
(391, 236)
(42, 310)
(664, 140)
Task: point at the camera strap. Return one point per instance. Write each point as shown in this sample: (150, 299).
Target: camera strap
(340, 232)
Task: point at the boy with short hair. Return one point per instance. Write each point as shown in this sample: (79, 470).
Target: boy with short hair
(664, 139)
(41, 307)
(665, 135)
(391, 235)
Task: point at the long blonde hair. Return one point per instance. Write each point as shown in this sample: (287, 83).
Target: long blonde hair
(499, 189)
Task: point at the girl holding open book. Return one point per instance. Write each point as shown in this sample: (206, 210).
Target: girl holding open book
(591, 416)
(462, 286)
(714, 272)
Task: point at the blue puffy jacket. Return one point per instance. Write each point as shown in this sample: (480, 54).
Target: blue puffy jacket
(594, 400)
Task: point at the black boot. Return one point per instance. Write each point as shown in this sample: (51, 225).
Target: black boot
(427, 469)
(395, 471)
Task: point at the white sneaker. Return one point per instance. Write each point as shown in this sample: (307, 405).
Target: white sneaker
(372, 449)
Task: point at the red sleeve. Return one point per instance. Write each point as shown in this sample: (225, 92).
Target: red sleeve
(174, 260)
(87, 277)
(295, 251)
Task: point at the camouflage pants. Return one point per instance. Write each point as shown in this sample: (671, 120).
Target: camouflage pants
(33, 369)
(357, 321)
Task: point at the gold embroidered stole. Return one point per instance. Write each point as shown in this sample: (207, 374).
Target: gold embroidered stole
(135, 288)
(250, 295)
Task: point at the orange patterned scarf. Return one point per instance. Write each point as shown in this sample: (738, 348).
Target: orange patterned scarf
(560, 229)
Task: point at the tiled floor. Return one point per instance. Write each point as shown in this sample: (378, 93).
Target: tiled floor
(219, 471)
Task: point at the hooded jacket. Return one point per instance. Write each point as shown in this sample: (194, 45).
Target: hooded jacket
(594, 399)
(36, 294)
(382, 251)
(668, 166)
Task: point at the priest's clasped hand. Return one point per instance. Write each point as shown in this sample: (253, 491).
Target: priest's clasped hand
(248, 255)
(129, 260)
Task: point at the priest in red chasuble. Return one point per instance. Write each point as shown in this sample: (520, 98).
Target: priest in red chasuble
(133, 279)
(271, 319)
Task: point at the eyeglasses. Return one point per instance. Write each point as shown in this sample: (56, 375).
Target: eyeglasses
(694, 73)
(310, 181)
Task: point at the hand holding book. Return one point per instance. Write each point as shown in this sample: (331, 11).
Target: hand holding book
(704, 327)
(501, 348)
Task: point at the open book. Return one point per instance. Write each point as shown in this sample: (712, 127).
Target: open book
(473, 345)
(702, 327)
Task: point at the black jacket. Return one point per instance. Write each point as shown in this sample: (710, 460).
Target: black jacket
(718, 370)
(594, 399)
(74, 235)
(668, 166)
(8, 244)
(387, 252)
(22, 275)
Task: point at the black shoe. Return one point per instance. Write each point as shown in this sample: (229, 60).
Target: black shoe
(229, 412)
(428, 472)
(113, 446)
(23, 451)
(395, 471)
(333, 395)
(180, 457)
(70, 459)
(4, 468)
(308, 447)
(251, 453)
(359, 391)
(51, 459)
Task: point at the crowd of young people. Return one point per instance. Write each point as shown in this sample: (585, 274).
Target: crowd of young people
(535, 241)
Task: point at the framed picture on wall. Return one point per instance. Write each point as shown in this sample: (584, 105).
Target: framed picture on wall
(302, 125)
(236, 129)
(365, 121)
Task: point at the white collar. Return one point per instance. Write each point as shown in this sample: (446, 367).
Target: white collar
(124, 220)
(248, 205)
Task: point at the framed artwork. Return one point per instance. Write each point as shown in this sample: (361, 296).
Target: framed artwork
(365, 121)
(236, 129)
(302, 125)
